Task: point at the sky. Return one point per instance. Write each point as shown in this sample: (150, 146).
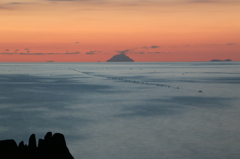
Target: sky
(96, 30)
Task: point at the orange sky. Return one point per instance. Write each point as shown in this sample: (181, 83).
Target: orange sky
(95, 30)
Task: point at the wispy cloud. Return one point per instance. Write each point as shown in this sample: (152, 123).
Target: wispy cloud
(150, 47)
(231, 44)
(20, 3)
(155, 52)
(159, 52)
(138, 53)
(92, 52)
(213, 1)
(145, 2)
(15, 5)
(16, 51)
(69, 53)
(140, 50)
(130, 3)
(62, 0)
(6, 53)
(29, 53)
(123, 51)
(202, 1)
(3, 8)
(154, 47)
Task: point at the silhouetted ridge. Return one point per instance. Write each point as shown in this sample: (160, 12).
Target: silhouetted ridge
(51, 147)
(120, 58)
(217, 60)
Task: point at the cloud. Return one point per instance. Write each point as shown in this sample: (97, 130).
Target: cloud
(89, 53)
(231, 44)
(154, 46)
(66, 0)
(31, 53)
(158, 52)
(16, 3)
(201, 1)
(52, 53)
(136, 50)
(19, 3)
(7, 53)
(150, 47)
(28, 52)
(139, 53)
(124, 51)
(93, 52)
(69, 53)
(134, 3)
(4, 8)
(144, 47)
(16, 51)
(213, 1)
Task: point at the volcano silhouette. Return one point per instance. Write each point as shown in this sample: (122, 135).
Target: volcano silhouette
(120, 58)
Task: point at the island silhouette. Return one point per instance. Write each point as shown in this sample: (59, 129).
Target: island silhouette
(120, 58)
(51, 147)
(217, 60)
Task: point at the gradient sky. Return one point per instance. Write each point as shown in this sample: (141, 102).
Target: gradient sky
(95, 30)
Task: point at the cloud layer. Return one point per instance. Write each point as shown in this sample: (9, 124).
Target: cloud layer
(28, 53)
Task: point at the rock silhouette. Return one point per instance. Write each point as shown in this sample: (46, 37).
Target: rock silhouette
(217, 60)
(51, 147)
(120, 58)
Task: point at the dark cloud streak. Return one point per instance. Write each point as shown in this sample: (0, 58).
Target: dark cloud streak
(71, 53)
(202, 1)
(124, 51)
(150, 47)
(66, 0)
(154, 47)
(7, 53)
(93, 52)
(231, 44)
(29, 53)
(19, 3)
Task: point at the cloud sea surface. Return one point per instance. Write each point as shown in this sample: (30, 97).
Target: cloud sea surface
(126, 110)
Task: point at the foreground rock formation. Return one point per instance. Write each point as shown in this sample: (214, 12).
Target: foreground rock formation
(51, 147)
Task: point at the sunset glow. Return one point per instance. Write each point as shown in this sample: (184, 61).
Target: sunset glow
(91, 31)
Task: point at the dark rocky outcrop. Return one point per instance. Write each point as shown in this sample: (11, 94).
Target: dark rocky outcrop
(120, 58)
(51, 147)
